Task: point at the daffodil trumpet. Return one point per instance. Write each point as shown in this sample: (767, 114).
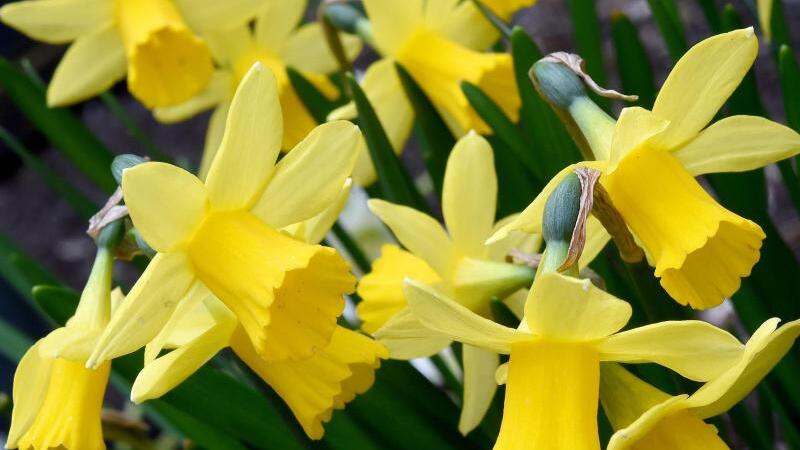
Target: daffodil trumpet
(57, 400)
(223, 235)
(699, 249)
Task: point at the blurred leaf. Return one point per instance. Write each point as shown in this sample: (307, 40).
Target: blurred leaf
(665, 13)
(435, 139)
(201, 434)
(503, 128)
(554, 149)
(353, 248)
(711, 13)
(633, 62)
(778, 23)
(19, 271)
(134, 131)
(502, 314)
(790, 85)
(64, 131)
(516, 186)
(79, 202)
(748, 428)
(589, 41)
(315, 101)
(395, 183)
(13, 343)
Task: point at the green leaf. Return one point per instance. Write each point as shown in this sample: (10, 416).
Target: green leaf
(64, 131)
(315, 101)
(13, 343)
(633, 62)
(435, 138)
(200, 433)
(21, 272)
(516, 186)
(778, 24)
(503, 128)
(133, 129)
(790, 86)
(395, 183)
(554, 149)
(665, 13)
(589, 41)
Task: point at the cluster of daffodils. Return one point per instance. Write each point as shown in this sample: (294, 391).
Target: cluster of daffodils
(238, 262)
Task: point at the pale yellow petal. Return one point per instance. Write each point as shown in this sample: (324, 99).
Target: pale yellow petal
(187, 307)
(91, 65)
(467, 25)
(697, 350)
(738, 144)
(419, 233)
(407, 338)
(207, 15)
(392, 22)
(701, 82)
(634, 127)
(479, 386)
(307, 50)
(146, 309)
(625, 397)
(310, 177)
(276, 21)
(764, 350)
(765, 17)
(442, 314)
(74, 343)
(164, 373)
(230, 46)
(566, 308)
(57, 21)
(469, 195)
(251, 143)
(30, 387)
(165, 202)
(216, 92)
(214, 134)
(315, 228)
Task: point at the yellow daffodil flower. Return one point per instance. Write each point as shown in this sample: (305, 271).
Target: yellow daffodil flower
(765, 17)
(506, 8)
(440, 43)
(57, 400)
(553, 375)
(201, 326)
(647, 418)
(154, 42)
(649, 159)
(277, 43)
(455, 260)
(222, 235)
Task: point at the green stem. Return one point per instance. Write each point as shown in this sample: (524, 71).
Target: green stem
(353, 249)
(450, 380)
(134, 130)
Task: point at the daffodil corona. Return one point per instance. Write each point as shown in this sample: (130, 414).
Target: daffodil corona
(277, 43)
(156, 42)
(649, 159)
(222, 235)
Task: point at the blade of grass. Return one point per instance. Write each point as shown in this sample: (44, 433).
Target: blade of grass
(589, 41)
(633, 62)
(665, 13)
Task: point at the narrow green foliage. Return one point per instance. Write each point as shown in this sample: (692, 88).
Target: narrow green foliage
(589, 41)
(13, 343)
(711, 14)
(633, 62)
(64, 131)
(395, 183)
(516, 186)
(133, 129)
(353, 249)
(317, 104)
(790, 86)
(665, 13)
(779, 26)
(435, 138)
(502, 314)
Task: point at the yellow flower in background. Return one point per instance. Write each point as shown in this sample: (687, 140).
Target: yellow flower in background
(765, 17)
(440, 43)
(699, 249)
(222, 235)
(277, 43)
(456, 260)
(648, 419)
(201, 326)
(506, 8)
(57, 400)
(553, 375)
(154, 42)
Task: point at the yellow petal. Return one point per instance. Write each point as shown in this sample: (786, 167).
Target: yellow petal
(738, 144)
(74, 343)
(469, 195)
(625, 397)
(443, 315)
(214, 134)
(479, 386)
(467, 25)
(476, 281)
(315, 228)
(307, 50)
(527, 243)
(310, 178)
(697, 350)
(81, 74)
(551, 398)
(58, 21)
(286, 294)
(230, 45)
(147, 307)
(406, 337)
(382, 87)
(701, 82)
(530, 220)
(217, 91)
(205, 15)
(765, 17)
(419, 233)
(566, 308)
(69, 416)
(634, 127)
(393, 22)
(251, 143)
(187, 307)
(381, 290)
(764, 350)
(165, 202)
(699, 249)
(276, 21)
(162, 374)
(314, 387)
(506, 8)
(30, 386)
